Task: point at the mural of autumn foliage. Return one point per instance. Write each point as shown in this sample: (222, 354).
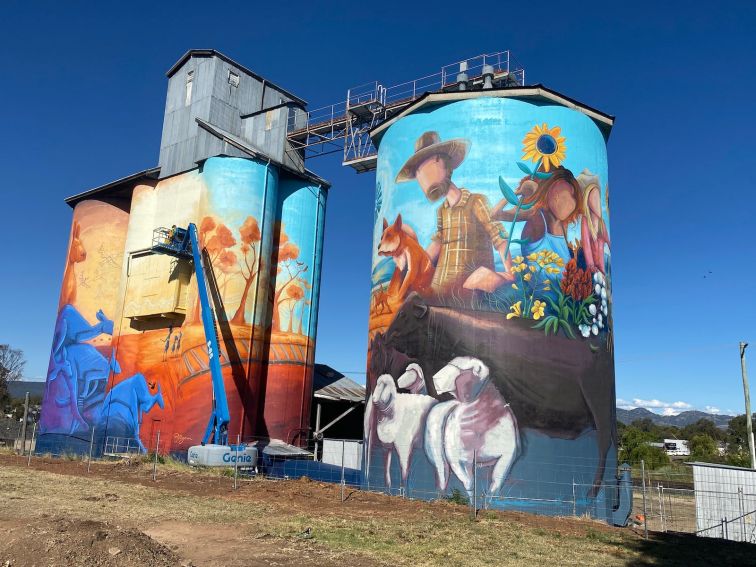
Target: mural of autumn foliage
(129, 355)
(290, 285)
(248, 263)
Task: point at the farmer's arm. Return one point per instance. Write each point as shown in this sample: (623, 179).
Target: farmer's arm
(495, 230)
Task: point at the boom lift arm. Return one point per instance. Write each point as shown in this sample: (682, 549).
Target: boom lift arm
(184, 243)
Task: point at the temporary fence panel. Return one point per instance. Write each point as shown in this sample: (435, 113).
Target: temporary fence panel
(352, 453)
(725, 502)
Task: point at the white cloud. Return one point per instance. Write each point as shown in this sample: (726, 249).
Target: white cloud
(656, 406)
(666, 408)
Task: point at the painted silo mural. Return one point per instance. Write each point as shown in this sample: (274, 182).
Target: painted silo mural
(129, 355)
(491, 314)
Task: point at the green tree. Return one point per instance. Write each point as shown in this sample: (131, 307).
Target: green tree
(737, 451)
(634, 447)
(703, 448)
(703, 427)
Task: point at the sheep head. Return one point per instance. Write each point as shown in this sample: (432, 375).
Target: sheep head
(384, 392)
(463, 377)
(412, 379)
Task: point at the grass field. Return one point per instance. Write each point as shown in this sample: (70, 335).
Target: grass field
(55, 513)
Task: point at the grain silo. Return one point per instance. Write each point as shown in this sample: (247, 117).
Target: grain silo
(491, 363)
(130, 359)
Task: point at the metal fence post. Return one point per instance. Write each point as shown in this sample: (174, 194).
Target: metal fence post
(645, 513)
(91, 444)
(32, 446)
(236, 461)
(157, 450)
(742, 514)
(574, 500)
(475, 486)
(343, 447)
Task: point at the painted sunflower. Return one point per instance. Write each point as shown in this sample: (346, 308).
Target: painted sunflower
(544, 145)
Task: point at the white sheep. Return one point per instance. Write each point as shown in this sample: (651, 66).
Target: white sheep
(394, 422)
(413, 379)
(476, 425)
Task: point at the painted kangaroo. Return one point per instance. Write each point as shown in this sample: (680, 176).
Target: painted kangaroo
(529, 374)
(122, 410)
(76, 254)
(76, 370)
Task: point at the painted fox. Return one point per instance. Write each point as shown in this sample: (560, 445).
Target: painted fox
(414, 269)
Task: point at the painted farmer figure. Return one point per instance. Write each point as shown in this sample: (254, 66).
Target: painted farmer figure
(462, 247)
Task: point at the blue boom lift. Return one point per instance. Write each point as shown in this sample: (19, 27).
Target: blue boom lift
(183, 243)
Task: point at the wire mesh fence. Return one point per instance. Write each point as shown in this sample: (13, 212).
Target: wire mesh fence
(679, 498)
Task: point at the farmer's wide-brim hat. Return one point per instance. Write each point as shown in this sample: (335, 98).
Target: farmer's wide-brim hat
(429, 145)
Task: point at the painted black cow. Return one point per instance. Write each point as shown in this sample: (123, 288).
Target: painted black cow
(556, 385)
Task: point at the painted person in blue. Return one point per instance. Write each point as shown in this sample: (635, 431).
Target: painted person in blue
(555, 208)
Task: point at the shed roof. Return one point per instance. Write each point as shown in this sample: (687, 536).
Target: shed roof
(330, 384)
(124, 183)
(720, 466)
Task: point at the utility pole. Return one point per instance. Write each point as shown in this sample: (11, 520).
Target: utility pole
(747, 394)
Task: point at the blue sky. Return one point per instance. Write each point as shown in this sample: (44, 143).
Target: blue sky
(83, 92)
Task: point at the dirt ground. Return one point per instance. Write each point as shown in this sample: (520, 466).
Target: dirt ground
(55, 513)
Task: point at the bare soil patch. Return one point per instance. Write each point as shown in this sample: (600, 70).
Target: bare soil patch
(193, 517)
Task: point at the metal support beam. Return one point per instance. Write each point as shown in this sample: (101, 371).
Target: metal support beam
(344, 414)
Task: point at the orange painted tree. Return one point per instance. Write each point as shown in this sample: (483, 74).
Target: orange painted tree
(216, 239)
(294, 294)
(288, 273)
(250, 240)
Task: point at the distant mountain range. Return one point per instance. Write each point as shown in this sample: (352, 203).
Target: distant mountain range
(17, 390)
(680, 420)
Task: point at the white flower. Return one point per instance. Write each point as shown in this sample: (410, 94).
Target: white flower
(592, 309)
(597, 289)
(603, 303)
(594, 329)
(603, 293)
(585, 330)
(596, 277)
(605, 310)
(600, 325)
(600, 319)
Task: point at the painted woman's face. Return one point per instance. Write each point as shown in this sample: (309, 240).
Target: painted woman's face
(562, 201)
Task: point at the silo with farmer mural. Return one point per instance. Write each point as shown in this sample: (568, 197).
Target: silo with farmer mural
(491, 365)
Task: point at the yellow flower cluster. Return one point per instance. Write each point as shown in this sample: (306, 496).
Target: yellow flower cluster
(546, 257)
(516, 310)
(538, 309)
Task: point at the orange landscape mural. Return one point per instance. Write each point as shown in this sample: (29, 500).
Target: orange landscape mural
(129, 357)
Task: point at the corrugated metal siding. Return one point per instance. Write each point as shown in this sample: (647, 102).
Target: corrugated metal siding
(330, 384)
(724, 498)
(214, 100)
